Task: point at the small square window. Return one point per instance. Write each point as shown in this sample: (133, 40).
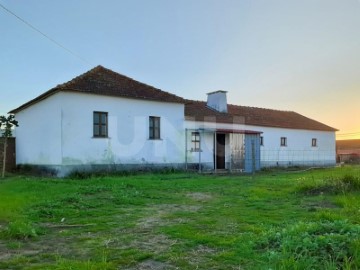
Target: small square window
(314, 142)
(283, 141)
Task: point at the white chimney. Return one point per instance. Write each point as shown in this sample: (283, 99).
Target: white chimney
(217, 101)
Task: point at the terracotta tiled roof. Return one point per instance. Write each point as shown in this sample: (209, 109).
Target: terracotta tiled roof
(348, 144)
(198, 111)
(103, 81)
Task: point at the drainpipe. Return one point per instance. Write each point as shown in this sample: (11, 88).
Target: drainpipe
(253, 156)
(200, 154)
(215, 150)
(201, 138)
(231, 142)
(186, 149)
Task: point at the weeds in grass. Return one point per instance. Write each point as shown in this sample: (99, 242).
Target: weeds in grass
(19, 230)
(312, 244)
(66, 264)
(331, 185)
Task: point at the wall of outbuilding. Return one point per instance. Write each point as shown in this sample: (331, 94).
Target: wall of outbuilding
(298, 151)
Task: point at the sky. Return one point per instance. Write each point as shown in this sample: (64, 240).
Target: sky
(295, 55)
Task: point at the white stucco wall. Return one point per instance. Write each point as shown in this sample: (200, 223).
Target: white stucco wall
(59, 131)
(38, 134)
(298, 151)
(128, 141)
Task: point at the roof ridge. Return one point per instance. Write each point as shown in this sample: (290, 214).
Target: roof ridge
(100, 67)
(235, 105)
(261, 108)
(103, 81)
(62, 85)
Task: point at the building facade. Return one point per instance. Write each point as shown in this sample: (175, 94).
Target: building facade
(104, 120)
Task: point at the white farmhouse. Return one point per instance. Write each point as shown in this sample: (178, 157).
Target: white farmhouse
(104, 120)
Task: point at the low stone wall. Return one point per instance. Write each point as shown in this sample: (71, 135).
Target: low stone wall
(10, 154)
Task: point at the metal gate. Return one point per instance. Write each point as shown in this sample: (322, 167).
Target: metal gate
(237, 151)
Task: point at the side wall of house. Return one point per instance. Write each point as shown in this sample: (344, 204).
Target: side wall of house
(298, 149)
(128, 144)
(38, 140)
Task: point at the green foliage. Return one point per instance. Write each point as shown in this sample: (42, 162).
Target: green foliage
(7, 123)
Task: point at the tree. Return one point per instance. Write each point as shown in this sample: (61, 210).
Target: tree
(7, 123)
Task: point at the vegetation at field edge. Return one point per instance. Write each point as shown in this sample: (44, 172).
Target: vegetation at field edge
(273, 220)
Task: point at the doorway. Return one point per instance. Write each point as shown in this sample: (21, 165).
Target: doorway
(220, 151)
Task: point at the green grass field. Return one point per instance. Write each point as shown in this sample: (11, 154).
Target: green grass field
(272, 220)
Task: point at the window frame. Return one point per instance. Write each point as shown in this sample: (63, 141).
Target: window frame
(314, 142)
(195, 141)
(283, 141)
(154, 128)
(100, 124)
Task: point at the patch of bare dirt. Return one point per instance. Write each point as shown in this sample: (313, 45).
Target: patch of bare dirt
(4, 255)
(52, 243)
(314, 206)
(153, 265)
(200, 196)
(153, 243)
(157, 215)
(199, 255)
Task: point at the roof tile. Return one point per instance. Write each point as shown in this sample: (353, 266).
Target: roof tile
(199, 111)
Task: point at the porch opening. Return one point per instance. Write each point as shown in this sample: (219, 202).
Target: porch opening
(219, 154)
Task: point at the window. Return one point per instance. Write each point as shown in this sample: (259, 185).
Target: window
(154, 128)
(195, 140)
(100, 124)
(283, 141)
(314, 142)
(261, 140)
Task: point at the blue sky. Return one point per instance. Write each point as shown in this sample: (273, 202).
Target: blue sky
(298, 55)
